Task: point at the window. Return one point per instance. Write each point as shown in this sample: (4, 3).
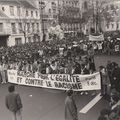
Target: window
(36, 14)
(28, 27)
(3, 9)
(54, 11)
(13, 28)
(112, 7)
(12, 10)
(27, 13)
(18, 11)
(53, 3)
(117, 7)
(42, 3)
(18, 41)
(29, 40)
(107, 26)
(86, 5)
(33, 27)
(107, 8)
(117, 26)
(49, 11)
(31, 13)
(112, 25)
(1, 27)
(20, 27)
(37, 27)
(63, 2)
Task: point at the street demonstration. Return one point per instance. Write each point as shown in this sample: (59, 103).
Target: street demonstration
(57, 81)
(60, 59)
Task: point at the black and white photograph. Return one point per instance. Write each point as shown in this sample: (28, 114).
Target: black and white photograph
(59, 59)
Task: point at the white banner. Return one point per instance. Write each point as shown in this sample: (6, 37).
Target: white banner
(56, 81)
(96, 38)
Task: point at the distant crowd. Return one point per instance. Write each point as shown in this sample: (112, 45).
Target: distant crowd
(56, 57)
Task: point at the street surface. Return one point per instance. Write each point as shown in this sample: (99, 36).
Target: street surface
(47, 104)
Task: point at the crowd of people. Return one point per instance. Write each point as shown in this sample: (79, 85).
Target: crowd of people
(113, 111)
(110, 75)
(55, 57)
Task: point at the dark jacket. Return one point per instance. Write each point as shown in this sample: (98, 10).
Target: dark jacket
(70, 109)
(13, 102)
(77, 69)
(116, 74)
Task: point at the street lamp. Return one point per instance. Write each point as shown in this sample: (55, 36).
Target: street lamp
(41, 7)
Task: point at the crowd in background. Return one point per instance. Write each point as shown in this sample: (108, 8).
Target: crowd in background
(110, 75)
(56, 57)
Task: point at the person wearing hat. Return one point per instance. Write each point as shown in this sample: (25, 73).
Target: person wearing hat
(70, 107)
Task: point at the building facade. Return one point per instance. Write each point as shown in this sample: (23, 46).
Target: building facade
(113, 21)
(20, 23)
(67, 13)
(70, 15)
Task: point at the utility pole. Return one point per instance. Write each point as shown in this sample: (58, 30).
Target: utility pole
(42, 19)
(58, 17)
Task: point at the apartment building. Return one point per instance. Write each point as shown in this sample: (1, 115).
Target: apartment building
(113, 21)
(19, 23)
(69, 15)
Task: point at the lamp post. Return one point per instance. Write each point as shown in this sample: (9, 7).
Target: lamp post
(41, 7)
(58, 17)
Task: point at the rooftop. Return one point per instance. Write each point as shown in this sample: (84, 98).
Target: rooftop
(23, 3)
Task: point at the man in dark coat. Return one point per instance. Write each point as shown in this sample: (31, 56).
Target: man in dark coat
(116, 77)
(70, 107)
(77, 69)
(13, 103)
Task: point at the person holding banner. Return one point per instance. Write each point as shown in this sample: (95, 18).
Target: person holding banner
(13, 103)
(70, 107)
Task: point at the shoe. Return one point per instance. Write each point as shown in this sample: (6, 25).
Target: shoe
(101, 95)
(86, 93)
(81, 93)
(93, 94)
(3, 82)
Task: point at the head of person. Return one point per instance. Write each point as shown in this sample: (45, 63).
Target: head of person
(70, 92)
(113, 114)
(104, 113)
(116, 65)
(82, 66)
(100, 68)
(108, 62)
(115, 98)
(11, 88)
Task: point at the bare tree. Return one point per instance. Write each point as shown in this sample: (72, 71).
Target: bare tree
(27, 24)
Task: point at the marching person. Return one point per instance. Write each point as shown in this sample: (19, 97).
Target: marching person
(115, 108)
(116, 77)
(70, 107)
(13, 103)
(84, 71)
(104, 114)
(104, 80)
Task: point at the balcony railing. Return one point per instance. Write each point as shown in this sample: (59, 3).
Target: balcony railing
(5, 32)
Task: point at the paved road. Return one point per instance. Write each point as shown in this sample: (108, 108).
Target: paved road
(46, 104)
